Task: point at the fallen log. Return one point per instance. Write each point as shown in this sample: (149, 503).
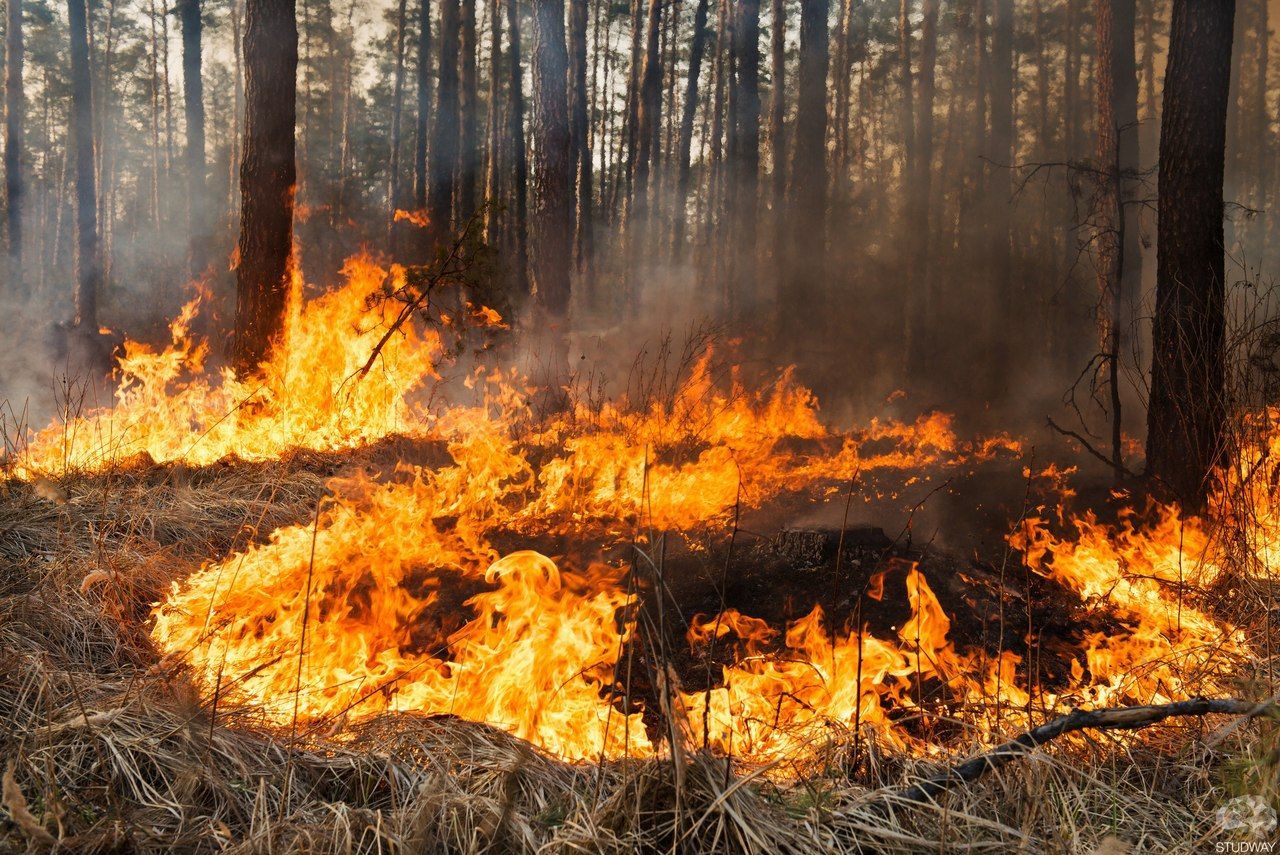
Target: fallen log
(1115, 718)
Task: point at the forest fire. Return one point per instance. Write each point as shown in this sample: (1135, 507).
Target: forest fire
(396, 596)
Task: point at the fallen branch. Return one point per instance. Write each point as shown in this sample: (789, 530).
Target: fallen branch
(1118, 718)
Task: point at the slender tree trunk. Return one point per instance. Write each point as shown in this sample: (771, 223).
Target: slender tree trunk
(468, 129)
(267, 180)
(1186, 413)
(999, 186)
(553, 211)
(397, 110)
(88, 247)
(920, 311)
(1128, 161)
(15, 117)
(744, 152)
(777, 117)
(519, 154)
(493, 170)
(650, 116)
(689, 108)
(237, 132)
(445, 138)
(193, 99)
(1110, 215)
(578, 102)
(421, 177)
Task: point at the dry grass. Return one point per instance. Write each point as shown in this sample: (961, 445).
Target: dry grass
(103, 748)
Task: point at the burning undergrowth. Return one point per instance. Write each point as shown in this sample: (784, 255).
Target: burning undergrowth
(612, 581)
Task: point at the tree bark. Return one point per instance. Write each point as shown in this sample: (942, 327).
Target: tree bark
(519, 154)
(999, 187)
(777, 132)
(397, 109)
(468, 131)
(744, 154)
(578, 103)
(88, 246)
(193, 100)
(421, 178)
(493, 166)
(1186, 413)
(15, 118)
(267, 180)
(1109, 215)
(445, 137)
(553, 205)
(689, 109)
(650, 115)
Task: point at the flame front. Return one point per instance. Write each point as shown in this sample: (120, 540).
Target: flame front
(394, 596)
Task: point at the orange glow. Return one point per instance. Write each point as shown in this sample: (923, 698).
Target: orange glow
(395, 597)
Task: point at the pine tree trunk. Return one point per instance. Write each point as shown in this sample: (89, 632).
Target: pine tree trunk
(689, 109)
(397, 110)
(88, 247)
(15, 118)
(193, 99)
(999, 187)
(493, 166)
(777, 115)
(553, 202)
(578, 104)
(421, 178)
(445, 153)
(468, 129)
(267, 180)
(1109, 214)
(1187, 406)
(744, 154)
(924, 298)
(650, 115)
(1128, 131)
(519, 155)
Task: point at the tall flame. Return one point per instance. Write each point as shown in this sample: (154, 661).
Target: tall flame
(394, 596)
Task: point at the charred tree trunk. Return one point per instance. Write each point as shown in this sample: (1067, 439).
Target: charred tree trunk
(468, 137)
(1185, 417)
(193, 101)
(267, 180)
(15, 117)
(397, 109)
(519, 154)
(684, 144)
(421, 179)
(552, 255)
(444, 139)
(88, 246)
(578, 97)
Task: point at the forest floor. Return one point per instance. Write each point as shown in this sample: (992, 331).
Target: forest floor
(105, 747)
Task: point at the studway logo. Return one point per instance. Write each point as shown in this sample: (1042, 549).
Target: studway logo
(1247, 816)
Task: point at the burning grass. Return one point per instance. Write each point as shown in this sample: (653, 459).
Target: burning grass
(108, 749)
(339, 609)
